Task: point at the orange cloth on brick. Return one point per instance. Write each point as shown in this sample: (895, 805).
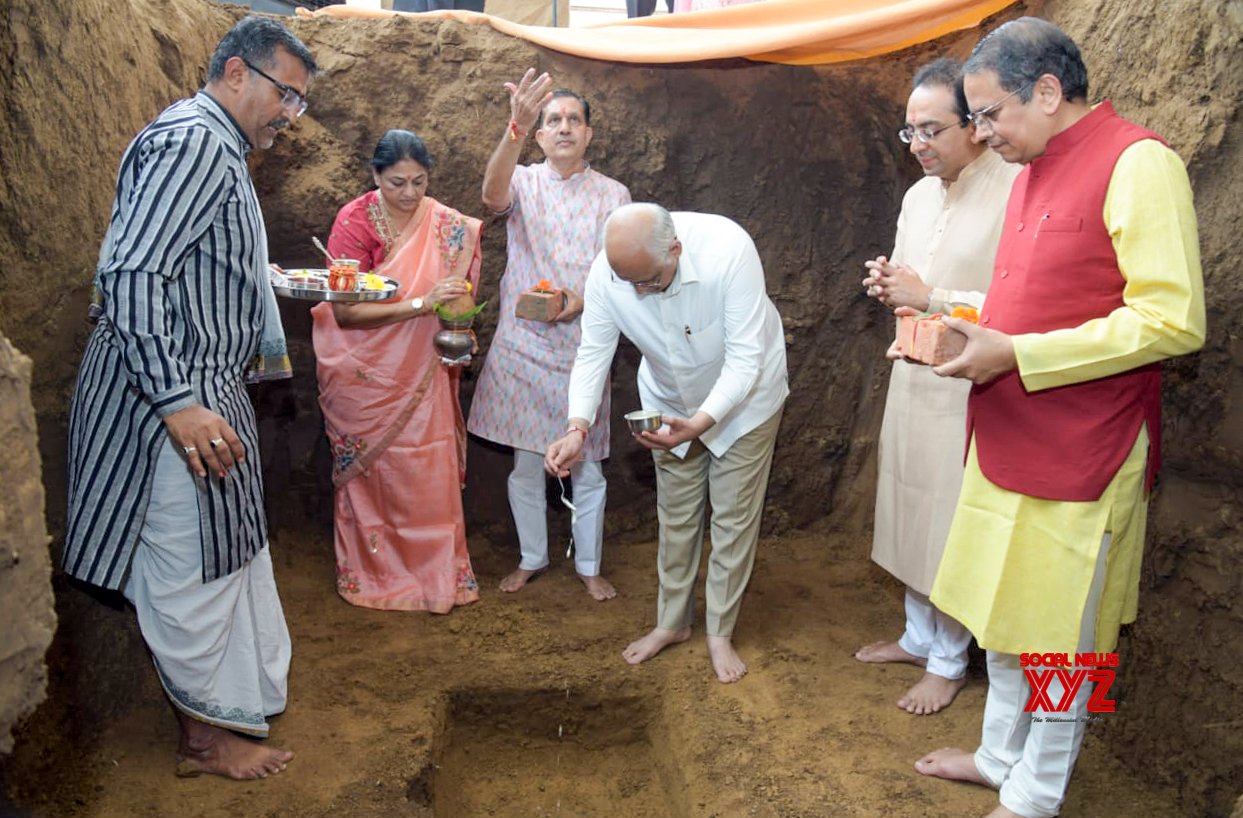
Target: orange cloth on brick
(392, 414)
(796, 32)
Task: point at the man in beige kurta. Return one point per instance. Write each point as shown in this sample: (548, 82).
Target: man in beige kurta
(943, 254)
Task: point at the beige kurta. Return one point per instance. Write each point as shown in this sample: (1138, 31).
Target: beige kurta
(947, 233)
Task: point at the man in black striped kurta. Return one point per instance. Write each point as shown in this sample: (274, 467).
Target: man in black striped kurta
(165, 492)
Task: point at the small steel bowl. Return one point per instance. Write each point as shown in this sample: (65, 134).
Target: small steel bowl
(643, 420)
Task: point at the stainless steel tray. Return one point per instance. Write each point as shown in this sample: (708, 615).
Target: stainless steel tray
(312, 285)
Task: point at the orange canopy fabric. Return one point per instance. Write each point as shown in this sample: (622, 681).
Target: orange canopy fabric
(796, 32)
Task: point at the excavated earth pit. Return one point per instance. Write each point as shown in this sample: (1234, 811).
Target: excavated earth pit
(528, 751)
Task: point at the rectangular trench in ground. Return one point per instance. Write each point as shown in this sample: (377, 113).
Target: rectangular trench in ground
(553, 752)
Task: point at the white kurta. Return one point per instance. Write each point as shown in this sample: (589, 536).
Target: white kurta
(948, 233)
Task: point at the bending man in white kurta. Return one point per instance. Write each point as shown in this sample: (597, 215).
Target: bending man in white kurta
(947, 238)
(687, 289)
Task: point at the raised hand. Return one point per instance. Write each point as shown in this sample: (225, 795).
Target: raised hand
(528, 98)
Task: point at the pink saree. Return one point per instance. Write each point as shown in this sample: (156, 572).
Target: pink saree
(392, 415)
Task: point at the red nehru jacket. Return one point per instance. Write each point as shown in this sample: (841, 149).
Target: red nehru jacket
(1056, 268)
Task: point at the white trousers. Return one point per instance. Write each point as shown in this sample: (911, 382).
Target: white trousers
(221, 649)
(529, 504)
(936, 636)
(1030, 759)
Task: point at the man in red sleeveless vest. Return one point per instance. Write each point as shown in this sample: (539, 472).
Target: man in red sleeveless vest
(1097, 279)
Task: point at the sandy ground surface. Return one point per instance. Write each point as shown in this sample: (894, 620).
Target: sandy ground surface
(521, 705)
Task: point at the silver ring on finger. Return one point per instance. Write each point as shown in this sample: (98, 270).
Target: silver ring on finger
(189, 449)
(216, 441)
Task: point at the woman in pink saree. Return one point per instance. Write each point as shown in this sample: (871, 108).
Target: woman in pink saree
(390, 407)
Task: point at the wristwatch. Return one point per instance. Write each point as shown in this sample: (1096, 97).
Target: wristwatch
(417, 305)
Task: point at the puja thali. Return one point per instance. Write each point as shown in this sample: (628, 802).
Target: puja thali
(312, 285)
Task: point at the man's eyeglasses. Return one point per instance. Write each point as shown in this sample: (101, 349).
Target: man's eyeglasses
(652, 283)
(987, 116)
(909, 134)
(290, 98)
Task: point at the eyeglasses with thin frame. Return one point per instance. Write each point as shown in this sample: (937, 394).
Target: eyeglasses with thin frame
(909, 134)
(987, 116)
(652, 283)
(290, 98)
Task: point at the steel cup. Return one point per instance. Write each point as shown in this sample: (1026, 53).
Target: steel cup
(643, 420)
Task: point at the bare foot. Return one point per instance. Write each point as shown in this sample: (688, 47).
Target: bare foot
(882, 652)
(1002, 812)
(952, 764)
(656, 640)
(519, 578)
(208, 750)
(599, 587)
(931, 694)
(728, 665)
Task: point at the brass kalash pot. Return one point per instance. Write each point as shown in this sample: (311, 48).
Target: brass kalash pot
(454, 341)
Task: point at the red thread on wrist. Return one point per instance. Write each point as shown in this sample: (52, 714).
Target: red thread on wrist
(515, 132)
(579, 429)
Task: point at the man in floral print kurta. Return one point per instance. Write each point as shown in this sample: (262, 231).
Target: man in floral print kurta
(555, 211)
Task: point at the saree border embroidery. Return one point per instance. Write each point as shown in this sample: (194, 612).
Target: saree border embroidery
(383, 228)
(365, 458)
(451, 233)
(234, 718)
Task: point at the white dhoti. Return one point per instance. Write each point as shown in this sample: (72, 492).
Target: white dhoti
(221, 649)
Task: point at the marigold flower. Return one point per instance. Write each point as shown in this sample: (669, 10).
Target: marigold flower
(544, 285)
(966, 313)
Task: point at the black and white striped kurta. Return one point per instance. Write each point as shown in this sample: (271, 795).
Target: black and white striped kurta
(180, 271)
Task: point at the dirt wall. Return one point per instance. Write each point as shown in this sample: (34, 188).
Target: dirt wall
(26, 604)
(804, 158)
(818, 195)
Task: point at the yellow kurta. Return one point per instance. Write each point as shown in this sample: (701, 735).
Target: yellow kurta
(948, 233)
(1017, 569)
